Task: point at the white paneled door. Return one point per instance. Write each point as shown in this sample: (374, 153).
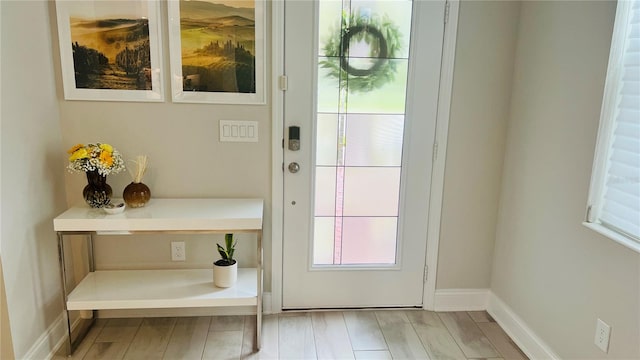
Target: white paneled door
(363, 79)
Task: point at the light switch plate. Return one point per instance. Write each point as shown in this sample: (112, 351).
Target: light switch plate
(238, 131)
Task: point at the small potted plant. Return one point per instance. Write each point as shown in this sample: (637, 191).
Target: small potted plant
(225, 270)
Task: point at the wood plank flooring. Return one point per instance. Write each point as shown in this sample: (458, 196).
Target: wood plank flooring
(367, 334)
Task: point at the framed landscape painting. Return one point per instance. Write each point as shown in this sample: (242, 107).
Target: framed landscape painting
(110, 50)
(217, 51)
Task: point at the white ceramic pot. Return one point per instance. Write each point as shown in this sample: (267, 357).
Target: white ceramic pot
(225, 276)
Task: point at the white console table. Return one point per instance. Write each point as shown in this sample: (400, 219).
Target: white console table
(153, 289)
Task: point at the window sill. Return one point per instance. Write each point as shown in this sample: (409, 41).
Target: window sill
(617, 237)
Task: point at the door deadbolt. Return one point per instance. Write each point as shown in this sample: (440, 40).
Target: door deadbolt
(294, 138)
(294, 167)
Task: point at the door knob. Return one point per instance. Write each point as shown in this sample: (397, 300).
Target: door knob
(294, 167)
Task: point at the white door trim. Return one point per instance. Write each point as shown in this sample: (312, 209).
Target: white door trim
(442, 131)
(277, 180)
(277, 153)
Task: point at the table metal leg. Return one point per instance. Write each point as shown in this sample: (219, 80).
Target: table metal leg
(92, 263)
(83, 326)
(63, 276)
(259, 302)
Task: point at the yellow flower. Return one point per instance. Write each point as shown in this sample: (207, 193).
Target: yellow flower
(80, 153)
(106, 147)
(75, 148)
(106, 158)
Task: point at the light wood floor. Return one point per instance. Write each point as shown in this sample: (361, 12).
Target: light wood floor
(390, 334)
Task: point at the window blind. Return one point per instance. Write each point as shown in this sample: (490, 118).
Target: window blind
(618, 206)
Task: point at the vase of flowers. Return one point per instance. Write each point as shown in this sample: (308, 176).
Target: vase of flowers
(96, 161)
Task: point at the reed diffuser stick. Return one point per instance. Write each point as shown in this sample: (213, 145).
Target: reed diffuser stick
(141, 162)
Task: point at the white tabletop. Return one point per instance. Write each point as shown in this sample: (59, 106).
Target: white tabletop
(167, 215)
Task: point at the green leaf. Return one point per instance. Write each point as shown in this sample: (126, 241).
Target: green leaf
(227, 253)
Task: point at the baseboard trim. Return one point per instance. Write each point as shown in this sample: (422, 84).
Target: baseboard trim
(461, 299)
(518, 330)
(56, 334)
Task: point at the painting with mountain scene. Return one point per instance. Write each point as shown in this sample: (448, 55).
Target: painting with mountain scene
(218, 45)
(113, 46)
(111, 53)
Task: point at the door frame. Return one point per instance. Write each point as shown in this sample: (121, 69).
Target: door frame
(278, 84)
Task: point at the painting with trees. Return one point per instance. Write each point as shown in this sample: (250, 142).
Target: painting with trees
(110, 50)
(218, 42)
(216, 48)
(111, 53)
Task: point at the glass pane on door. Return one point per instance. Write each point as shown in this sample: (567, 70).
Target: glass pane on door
(363, 59)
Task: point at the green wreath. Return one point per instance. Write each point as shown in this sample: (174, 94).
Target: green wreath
(384, 40)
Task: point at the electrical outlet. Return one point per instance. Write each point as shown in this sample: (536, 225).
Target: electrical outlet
(178, 251)
(603, 333)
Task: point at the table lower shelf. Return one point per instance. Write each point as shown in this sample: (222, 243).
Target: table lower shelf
(156, 289)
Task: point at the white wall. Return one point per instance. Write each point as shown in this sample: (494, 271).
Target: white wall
(557, 275)
(485, 49)
(32, 172)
